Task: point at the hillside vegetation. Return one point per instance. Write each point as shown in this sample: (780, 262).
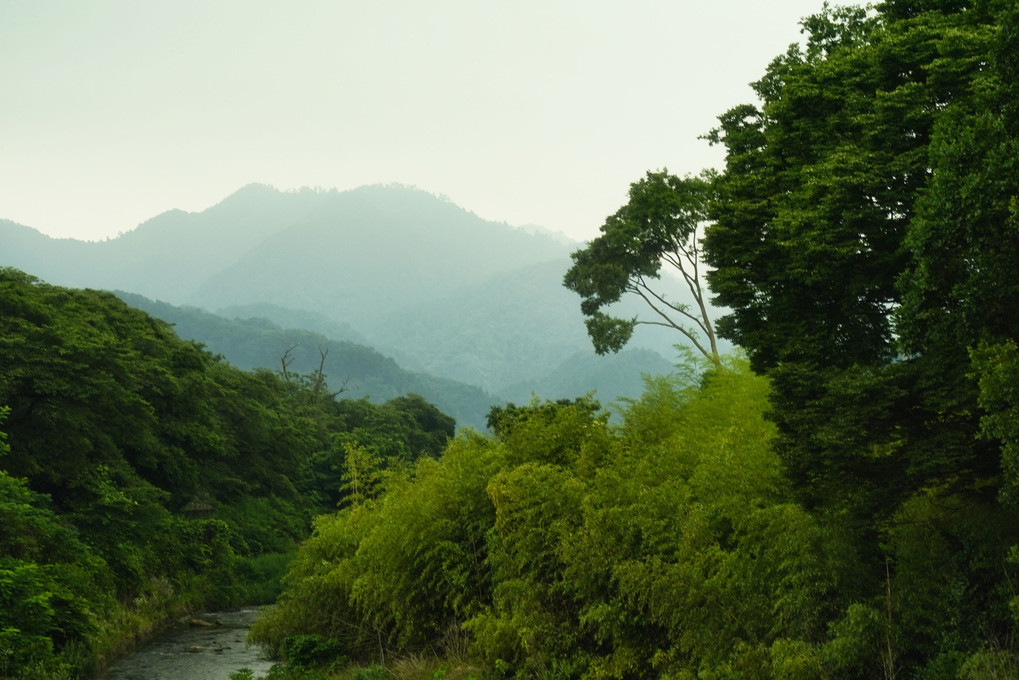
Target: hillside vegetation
(839, 505)
(409, 274)
(142, 478)
(837, 500)
(361, 372)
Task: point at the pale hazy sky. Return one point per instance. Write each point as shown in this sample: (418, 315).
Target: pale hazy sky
(524, 111)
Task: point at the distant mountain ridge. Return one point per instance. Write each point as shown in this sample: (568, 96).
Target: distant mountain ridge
(166, 256)
(393, 246)
(361, 372)
(417, 277)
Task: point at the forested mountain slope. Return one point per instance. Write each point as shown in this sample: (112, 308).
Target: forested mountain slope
(141, 477)
(167, 256)
(411, 274)
(251, 343)
(513, 327)
(361, 253)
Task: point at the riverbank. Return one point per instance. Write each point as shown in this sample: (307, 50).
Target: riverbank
(212, 646)
(165, 605)
(129, 627)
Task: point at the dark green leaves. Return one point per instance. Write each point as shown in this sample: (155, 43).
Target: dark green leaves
(864, 241)
(609, 334)
(172, 475)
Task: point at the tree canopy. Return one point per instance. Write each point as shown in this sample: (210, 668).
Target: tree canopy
(839, 502)
(140, 475)
(659, 225)
(864, 241)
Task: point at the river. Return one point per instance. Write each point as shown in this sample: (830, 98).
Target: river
(196, 652)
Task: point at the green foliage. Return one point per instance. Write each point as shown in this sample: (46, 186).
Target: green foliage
(375, 672)
(140, 475)
(864, 241)
(665, 548)
(807, 223)
(997, 370)
(316, 599)
(659, 225)
(421, 566)
(847, 512)
(398, 570)
(280, 672)
(947, 593)
(558, 433)
(50, 582)
(530, 624)
(373, 438)
(27, 618)
(259, 578)
(689, 545)
(362, 473)
(310, 650)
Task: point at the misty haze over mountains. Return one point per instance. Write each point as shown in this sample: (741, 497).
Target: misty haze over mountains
(412, 275)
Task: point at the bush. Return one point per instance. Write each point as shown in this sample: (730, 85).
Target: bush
(312, 650)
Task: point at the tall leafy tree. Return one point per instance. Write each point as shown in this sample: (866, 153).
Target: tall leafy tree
(863, 240)
(659, 226)
(810, 235)
(960, 291)
(808, 213)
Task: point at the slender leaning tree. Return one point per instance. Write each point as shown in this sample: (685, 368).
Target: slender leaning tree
(659, 227)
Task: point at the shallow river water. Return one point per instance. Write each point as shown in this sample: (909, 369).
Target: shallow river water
(196, 652)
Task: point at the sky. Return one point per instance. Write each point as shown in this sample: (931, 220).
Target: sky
(530, 112)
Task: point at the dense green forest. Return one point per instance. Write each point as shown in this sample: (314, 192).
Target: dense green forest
(838, 500)
(142, 478)
(839, 504)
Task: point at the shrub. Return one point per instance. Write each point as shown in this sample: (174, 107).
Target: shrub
(311, 650)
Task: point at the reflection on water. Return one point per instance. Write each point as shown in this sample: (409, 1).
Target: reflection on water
(196, 653)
